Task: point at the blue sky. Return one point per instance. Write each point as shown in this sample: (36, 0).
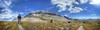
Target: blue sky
(79, 9)
(31, 5)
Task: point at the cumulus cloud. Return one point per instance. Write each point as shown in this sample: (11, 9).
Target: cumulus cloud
(83, 1)
(62, 4)
(6, 14)
(76, 10)
(7, 2)
(67, 5)
(94, 2)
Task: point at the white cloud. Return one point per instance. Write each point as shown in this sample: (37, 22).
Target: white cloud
(95, 2)
(66, 15)
(76, 10)
(93, 15)
(77, 3)
(62, 4)
(67, 5)
(7, 2)
(83, 1)
(2, 4)
(6, 13)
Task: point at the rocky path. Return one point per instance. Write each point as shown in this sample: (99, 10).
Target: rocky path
(20, 27)
(81, 28)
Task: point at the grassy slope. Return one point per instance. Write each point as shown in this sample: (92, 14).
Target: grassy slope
(88, 25)
(8, 25)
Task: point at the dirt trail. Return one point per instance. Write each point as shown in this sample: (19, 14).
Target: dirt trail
(20, 27)
(81, 28)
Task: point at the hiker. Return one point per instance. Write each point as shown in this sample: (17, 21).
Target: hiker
(19, 18)
(51, 21)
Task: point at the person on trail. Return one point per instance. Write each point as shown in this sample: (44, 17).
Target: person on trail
(51, 21)
(19, 18)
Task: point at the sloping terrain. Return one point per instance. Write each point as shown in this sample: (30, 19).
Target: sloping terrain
(5, 25)
(42, 21)
(49, 21)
